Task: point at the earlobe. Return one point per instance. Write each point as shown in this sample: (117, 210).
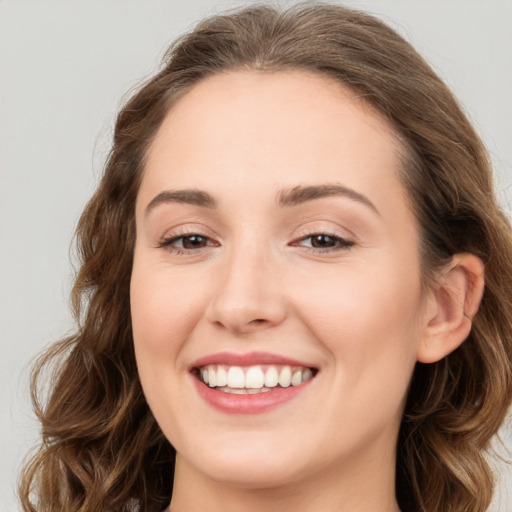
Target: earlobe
(452, 304)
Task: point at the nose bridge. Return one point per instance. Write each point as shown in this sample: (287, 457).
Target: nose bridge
(247, 295)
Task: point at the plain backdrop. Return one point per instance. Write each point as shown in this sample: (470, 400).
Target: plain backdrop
(64, 68)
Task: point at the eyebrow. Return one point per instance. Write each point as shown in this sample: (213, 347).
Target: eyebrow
(301, 194)
(188, 196)
(285, 198)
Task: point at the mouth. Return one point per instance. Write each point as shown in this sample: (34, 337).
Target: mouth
(250, 383)
(251, 380)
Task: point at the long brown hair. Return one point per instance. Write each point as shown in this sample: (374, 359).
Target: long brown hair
(101, 447)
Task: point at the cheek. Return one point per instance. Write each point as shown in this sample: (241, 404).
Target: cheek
(163, 313)
(368, 318)
(163, 308)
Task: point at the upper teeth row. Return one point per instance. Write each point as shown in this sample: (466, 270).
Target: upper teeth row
(254, 377)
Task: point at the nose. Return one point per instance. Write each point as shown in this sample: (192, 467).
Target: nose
(248, 295)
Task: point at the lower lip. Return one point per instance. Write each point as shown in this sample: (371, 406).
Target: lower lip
(248, 404)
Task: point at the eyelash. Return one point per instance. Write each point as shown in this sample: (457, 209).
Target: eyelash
(341, 244)
(167, 243)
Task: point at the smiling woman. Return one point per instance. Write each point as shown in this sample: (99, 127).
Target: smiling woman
(295, 289)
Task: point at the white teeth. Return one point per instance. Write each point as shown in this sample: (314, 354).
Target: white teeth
(253, 379)
(307, 375)
(236, 377)
(271, 377)
(243, 391)
(296, 378)
(237, 391)
(222, 377)
(212, 374)
(285, 377)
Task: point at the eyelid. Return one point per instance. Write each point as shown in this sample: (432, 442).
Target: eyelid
(187, 229)
(181, 232)
(170, 239)
(346, 242)
(322, 229)
(343, 242)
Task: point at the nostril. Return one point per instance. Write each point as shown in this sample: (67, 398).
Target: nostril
(257, 322)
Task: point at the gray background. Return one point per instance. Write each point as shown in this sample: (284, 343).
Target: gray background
(64, 67)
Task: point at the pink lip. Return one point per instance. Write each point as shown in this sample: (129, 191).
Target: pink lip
(247, 404)
(248, 359)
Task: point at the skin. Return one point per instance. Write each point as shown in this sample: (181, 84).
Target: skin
(357, 313)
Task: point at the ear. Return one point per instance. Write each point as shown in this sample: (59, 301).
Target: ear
(451, 306)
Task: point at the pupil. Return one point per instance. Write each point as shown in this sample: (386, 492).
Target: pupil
(322, 241)
(193, 242)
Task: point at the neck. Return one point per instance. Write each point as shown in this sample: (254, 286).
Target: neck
(367, 487)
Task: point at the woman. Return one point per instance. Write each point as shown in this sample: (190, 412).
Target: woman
(295, 286)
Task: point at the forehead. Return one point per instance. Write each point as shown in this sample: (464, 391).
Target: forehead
(283, 128)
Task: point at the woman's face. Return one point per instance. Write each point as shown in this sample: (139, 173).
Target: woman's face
(277, 258)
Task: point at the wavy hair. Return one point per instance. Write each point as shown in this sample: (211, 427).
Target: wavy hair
(102, 449)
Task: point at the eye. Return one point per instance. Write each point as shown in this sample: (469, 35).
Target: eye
(187, 243)
(324, 242)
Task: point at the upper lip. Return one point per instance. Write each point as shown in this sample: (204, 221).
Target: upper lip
(248, 359)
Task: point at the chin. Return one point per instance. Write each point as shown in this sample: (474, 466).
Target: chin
(252, 475)
(251, 466)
